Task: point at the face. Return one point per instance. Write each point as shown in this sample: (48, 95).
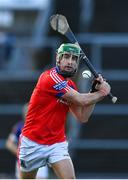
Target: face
(68, 62)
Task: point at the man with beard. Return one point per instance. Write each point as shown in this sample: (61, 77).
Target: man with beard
(43, 139)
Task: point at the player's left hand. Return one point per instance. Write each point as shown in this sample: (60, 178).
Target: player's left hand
(93, 88)
(95, 83)
(103, 86)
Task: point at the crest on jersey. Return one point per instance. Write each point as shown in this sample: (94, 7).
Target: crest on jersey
(61, 85)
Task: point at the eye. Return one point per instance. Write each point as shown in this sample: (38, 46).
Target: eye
(75, 58)
(66, 56)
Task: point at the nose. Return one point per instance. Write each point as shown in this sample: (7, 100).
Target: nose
(70, 60)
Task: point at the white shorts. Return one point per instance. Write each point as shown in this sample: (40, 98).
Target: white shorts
(33, 155)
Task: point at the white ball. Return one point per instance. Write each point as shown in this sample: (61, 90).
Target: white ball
(86, 74)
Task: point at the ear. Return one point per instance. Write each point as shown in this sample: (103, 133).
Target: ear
(58, 58)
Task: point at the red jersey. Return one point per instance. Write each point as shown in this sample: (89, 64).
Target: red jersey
(45, 120)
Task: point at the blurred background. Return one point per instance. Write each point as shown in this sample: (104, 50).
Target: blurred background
(99, 148)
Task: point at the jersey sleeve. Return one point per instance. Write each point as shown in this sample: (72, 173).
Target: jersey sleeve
(55, 84)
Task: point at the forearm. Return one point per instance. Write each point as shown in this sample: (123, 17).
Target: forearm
(83, 99)
(11, 147)
(92, 98)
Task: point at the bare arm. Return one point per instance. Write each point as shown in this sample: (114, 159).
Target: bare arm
(82, 113)
(11, 146)
(82, 99)
(82, 104)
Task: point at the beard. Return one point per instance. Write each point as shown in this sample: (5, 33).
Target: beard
(66, 74)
